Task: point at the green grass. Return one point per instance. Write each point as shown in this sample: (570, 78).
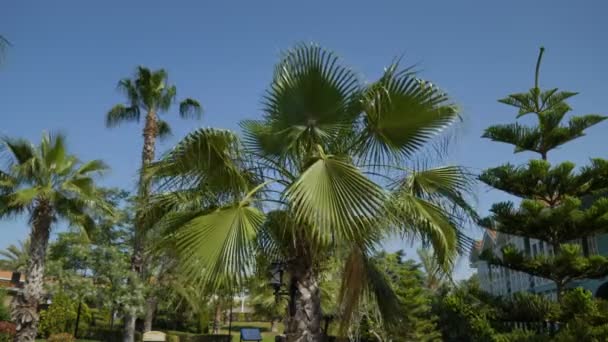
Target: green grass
(267, 335)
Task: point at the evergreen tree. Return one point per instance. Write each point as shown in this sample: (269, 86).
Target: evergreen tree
(416, 323)
(560, 203)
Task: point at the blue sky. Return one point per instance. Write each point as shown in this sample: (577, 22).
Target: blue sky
(67, 56)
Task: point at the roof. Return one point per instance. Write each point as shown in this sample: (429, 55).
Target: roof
(488, 239)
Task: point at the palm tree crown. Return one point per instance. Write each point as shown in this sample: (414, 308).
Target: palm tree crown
(148, 91)
(47, 175)
(326, 171)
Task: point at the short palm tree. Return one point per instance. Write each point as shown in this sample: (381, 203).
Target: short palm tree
(148, 94)
(15, 257)
(47, 184)
(325, 173)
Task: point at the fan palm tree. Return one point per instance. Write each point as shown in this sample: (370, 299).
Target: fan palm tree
(148, 93)
(323, 173)
(15, 257)
(47, 184)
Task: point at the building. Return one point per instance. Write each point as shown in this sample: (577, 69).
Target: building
(505, 282)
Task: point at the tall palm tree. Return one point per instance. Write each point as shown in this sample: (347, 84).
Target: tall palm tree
(148, 93)
(49, 185)
(16, 257)
(323, 173)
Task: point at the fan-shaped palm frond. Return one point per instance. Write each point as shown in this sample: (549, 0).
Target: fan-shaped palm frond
(401, 114)
(336, 199)
(222, 242)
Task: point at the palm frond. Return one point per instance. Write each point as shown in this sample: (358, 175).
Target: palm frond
(163, 129)
(361, 279)
(121, 113)
(410, 214)
(310, 100)
(206, 157)
(19, 150)
(190, 108)
(222, 242)
(336, 199)
(92, 167)
(401, 114)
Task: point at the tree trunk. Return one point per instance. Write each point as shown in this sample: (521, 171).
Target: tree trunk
(129, 331)
(217, 320)
(304, 321)
(151, 304)
(137, 259)
(25, 304)
(274, 325)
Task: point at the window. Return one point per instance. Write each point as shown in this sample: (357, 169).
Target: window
(541, 247)
(592, 243)
(534, 251)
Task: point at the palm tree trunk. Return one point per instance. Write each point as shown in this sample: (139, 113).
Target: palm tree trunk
(25, 304)
(217, 320)
(151, 304)
(305, 315)
(137, 260)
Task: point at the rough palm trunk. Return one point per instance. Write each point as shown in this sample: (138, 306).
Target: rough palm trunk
(305, 315)
(137, 260)
(150, 309)
(25, 304)
(218, 318)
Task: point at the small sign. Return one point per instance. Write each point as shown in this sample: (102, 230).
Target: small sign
(155, 336)
(251, 334)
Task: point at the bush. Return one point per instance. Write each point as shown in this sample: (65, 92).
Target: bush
(5, 314)
(63, 337)
(106, 335)
(172, 338)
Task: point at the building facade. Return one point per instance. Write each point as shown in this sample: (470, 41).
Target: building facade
(502, 281)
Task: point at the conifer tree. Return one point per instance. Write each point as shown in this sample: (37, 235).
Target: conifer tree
(561, 204)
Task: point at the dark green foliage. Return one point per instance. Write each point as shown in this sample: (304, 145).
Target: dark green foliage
(415, 322)
(559, 203)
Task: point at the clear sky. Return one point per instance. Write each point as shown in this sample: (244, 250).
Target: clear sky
(67, 56)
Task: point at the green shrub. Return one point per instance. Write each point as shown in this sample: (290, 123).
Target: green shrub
(63, 337)
(172, 338)
(5, 314)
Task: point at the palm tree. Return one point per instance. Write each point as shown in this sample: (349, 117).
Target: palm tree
(148, 93)
(16, 257)
(48, 184)
(435, 275)
(324, 174)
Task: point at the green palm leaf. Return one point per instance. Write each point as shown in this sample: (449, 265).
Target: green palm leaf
(401, 114)
(310, 99)
(222, 242)
(336, 199)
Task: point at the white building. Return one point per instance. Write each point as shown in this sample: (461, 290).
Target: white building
(504, 282)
